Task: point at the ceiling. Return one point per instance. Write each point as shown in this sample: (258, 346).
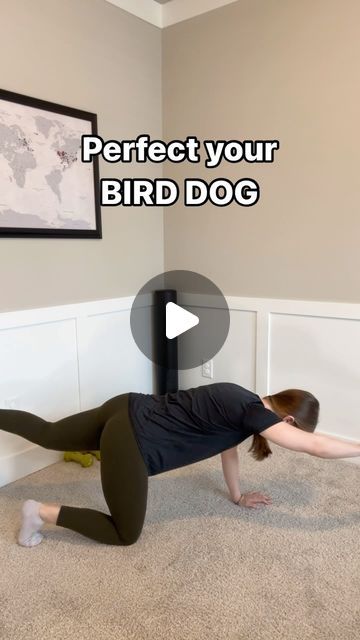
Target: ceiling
(163, 13)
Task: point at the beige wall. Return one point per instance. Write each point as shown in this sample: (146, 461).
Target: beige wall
(90, 55)
(252, 69)
(271, 69)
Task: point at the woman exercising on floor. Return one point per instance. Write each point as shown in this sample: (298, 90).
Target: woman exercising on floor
(142, 435)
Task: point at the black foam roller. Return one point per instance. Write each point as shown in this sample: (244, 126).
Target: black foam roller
(167, 378)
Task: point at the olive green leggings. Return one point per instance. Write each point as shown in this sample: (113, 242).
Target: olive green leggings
(124, 475)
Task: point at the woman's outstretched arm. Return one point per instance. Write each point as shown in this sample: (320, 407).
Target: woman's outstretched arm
(315, 444)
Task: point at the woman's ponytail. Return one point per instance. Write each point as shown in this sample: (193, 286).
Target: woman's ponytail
(259, 447)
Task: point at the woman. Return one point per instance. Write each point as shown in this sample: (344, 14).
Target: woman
(142, 435)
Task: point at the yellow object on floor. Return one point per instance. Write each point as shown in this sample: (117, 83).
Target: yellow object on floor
(85, 458)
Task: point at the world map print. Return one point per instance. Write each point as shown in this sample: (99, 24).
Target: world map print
(43, 183)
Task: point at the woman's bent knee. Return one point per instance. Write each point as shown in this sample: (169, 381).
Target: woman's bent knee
(130, 538)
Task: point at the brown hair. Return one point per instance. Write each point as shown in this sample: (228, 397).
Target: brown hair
(302, 405)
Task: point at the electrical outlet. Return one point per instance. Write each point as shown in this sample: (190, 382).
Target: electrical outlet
(207, 370)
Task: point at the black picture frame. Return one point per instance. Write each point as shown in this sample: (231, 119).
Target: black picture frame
(90, 119)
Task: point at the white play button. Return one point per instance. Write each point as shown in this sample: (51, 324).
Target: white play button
(155, 322)
(178, 320)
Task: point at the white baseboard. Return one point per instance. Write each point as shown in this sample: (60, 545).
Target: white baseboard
(21, 464)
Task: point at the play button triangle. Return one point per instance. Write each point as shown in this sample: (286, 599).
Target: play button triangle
(178, 320)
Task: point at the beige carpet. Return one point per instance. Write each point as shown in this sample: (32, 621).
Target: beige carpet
(203, 569)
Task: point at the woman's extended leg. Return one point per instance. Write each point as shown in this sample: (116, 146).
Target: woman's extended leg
(81, 431)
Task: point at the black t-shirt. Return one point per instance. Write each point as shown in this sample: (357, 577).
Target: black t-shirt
(177, 429)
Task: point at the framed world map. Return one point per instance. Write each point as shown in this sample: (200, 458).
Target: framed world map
(45, 188)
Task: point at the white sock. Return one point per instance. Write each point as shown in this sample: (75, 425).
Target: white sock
(29, 535)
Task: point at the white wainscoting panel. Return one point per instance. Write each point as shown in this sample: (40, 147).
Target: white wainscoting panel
(236, 361)
(38, 373)
(110, 362)
(60, 360)
(321, 355)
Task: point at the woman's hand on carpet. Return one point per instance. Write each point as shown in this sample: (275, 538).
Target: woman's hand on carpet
(253, 499)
